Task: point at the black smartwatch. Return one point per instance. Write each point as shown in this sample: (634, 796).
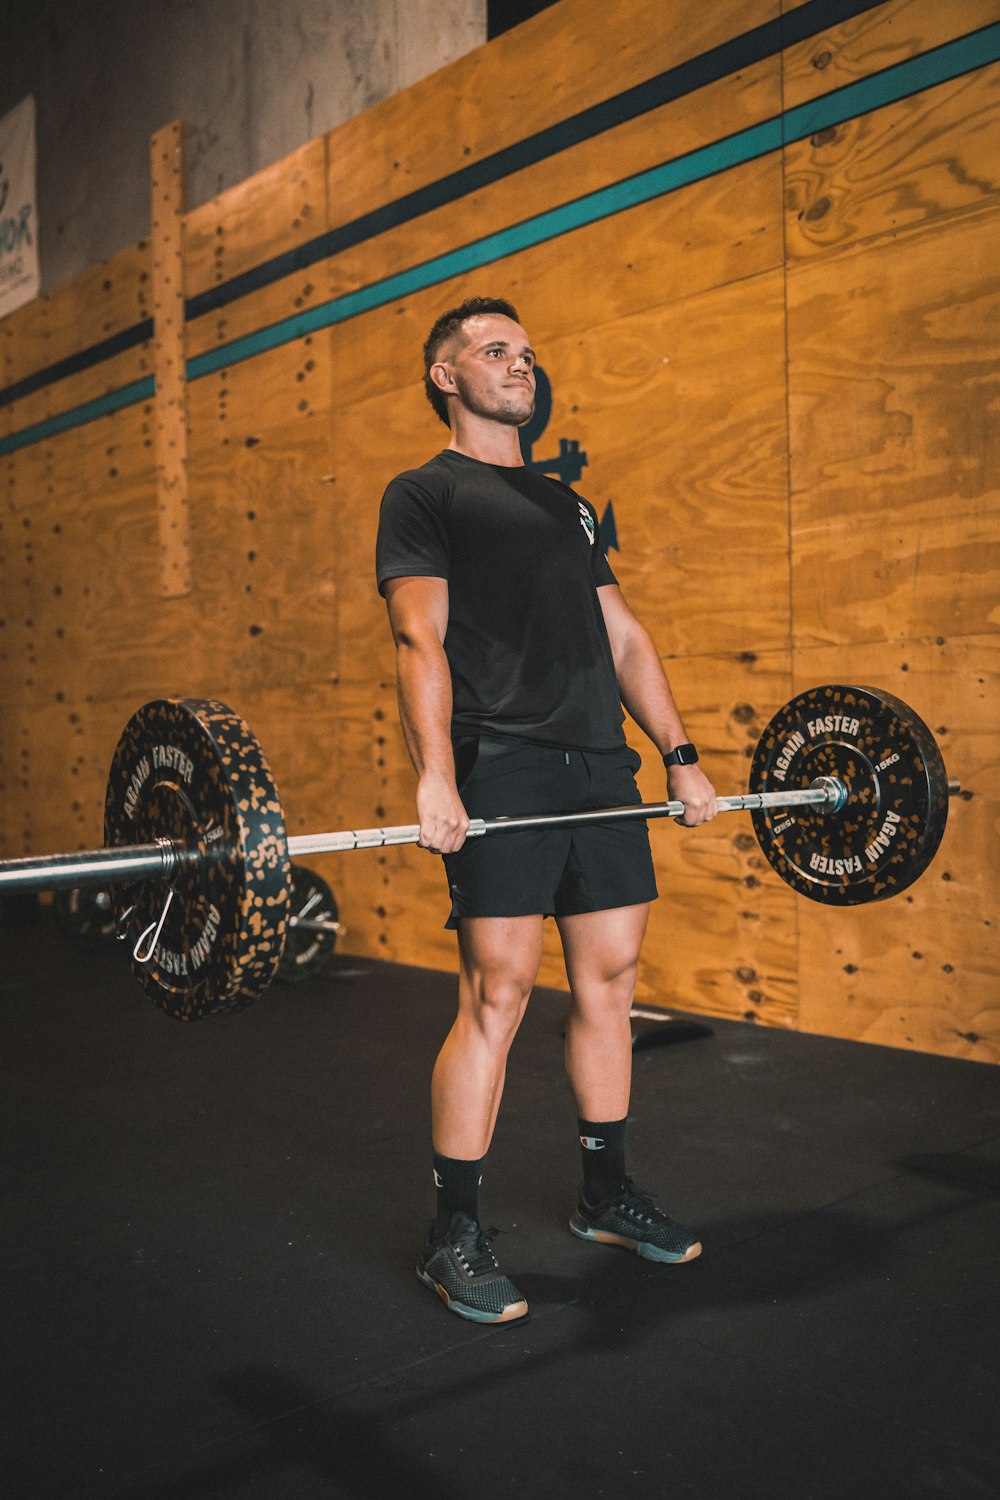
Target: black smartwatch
(681, 755)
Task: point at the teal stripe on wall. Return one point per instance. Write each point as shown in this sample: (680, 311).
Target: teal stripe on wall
(77, 416)
(941, 64)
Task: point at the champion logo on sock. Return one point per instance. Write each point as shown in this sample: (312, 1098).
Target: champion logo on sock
(438, 1179)
(592, 1142)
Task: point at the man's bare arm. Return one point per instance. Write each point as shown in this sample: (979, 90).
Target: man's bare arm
(418, 614)
(646, 694)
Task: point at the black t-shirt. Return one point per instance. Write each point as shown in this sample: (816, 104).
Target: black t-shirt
(526, 640)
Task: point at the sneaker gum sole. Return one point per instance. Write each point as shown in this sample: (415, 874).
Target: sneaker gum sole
(644, 1251)
(511, 1314)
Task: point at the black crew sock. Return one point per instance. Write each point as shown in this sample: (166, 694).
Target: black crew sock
(457, 1182)
(603, 1146)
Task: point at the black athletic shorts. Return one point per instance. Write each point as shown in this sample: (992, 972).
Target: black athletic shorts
(547, 871)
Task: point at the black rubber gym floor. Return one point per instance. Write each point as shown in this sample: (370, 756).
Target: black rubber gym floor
(210, 1234)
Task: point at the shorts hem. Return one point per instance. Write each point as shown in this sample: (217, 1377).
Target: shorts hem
(454, 917)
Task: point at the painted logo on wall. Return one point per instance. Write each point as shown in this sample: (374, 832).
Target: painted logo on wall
(569, 463)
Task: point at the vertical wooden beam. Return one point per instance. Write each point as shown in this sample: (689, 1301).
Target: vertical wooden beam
(166, 158)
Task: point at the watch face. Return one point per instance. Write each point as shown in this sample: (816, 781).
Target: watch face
(681, 755)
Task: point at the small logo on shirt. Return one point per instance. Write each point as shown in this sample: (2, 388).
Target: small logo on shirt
(587, 522)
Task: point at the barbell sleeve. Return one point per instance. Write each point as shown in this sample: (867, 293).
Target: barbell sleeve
(51, 872)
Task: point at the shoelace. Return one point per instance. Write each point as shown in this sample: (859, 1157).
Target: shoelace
(639, 1205)
(475, 1253)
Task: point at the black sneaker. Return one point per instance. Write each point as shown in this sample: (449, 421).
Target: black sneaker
(633, 1220)
(462, 1269)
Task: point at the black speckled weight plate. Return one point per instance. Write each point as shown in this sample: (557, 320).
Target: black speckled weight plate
(190, 770)
(889, 829)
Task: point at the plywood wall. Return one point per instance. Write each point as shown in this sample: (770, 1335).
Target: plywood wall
(767, 302)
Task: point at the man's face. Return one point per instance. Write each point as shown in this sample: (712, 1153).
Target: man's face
(492, 367)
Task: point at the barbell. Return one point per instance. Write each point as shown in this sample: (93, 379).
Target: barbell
(850, 806)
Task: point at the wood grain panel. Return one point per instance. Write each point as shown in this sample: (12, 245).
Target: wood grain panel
(17, 783)
(877, 39)
(271, 212)
(681, 412)
(9, 827)
(47, 596)
(42, 619)
(559, 62)
(893, 381)
(382, 893)
(920, 970)
(634, 147)
(284, 386)
(722, 938)
(660, 136)
(370, 442)
(264, 538)
(24, 334)
(272, 304)
(935, 153)
(76, 390)
(709, 234)
(8, 559)
(111, 296)
(48, 749)
(141, 645)
(102, 301)
(114, 447)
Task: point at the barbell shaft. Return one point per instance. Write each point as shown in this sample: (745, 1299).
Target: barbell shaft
(826, 795)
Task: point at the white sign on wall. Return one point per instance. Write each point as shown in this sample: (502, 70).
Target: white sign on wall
(19, 279)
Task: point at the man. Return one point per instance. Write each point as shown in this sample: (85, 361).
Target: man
(515, 652)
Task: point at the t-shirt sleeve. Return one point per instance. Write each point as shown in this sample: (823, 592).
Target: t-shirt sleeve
(412, 536)
(599, 561)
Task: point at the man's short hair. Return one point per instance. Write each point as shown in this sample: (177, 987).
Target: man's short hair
(445, 329)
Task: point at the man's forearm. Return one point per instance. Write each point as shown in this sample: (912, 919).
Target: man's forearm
(646, 693)
(423, 683)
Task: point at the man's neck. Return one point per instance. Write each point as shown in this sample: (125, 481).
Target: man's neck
(489, 442)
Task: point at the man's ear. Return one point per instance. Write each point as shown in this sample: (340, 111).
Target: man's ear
(442, 377)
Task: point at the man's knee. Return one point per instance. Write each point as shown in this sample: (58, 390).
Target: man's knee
(500, 962)
(603, 993)
(497, 1000)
